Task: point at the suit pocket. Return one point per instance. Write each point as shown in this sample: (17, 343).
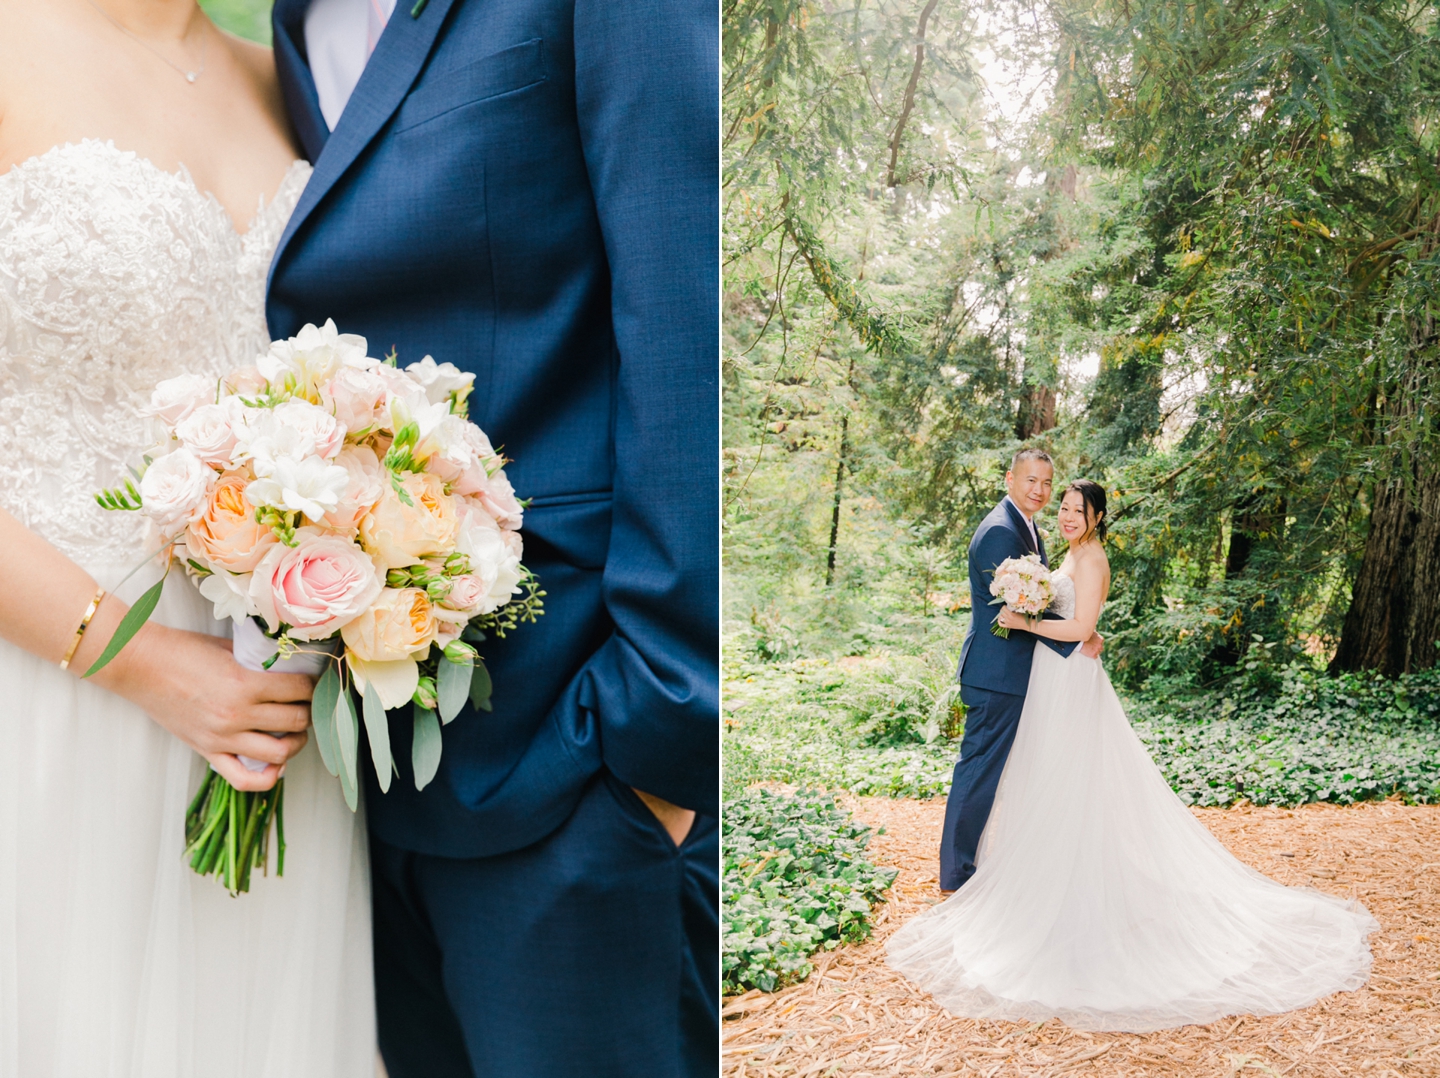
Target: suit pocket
(576, 527)
(490, 76)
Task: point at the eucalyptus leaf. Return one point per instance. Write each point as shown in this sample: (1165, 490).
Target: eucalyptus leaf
(452, 685)
(480, 686)
(322, 717)
(129, 625)
(347, 728)
(425, 750)
(379, 732)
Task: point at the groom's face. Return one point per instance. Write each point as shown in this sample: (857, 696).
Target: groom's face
(1029, 485)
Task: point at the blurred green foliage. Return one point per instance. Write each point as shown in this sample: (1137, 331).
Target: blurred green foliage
(246, 18)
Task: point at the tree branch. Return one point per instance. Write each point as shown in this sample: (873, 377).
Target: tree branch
(909, 92)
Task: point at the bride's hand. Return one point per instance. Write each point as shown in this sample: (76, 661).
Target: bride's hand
(1008, 619)
(191, 684)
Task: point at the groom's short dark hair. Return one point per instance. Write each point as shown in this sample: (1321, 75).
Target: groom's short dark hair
(1030, 454)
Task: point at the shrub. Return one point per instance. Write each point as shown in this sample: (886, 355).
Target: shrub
(795, 880)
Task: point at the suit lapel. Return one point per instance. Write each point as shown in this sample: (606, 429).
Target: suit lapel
(296, 82)
(1017, 521)
(402, 51)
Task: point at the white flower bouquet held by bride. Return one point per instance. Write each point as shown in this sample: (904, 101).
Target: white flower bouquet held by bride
(1022, 584)
(354, 523)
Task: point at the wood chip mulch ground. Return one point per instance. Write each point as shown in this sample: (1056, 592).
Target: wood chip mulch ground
(856, 1017)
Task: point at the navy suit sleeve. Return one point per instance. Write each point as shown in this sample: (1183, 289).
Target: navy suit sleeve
(994, 546)
(646, 87)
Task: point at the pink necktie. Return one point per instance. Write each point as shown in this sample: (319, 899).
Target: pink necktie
(375, 26)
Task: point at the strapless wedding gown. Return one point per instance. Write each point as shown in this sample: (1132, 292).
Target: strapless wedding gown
(1098, 898)
(115, 959)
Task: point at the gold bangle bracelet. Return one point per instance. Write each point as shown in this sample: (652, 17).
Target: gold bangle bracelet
(84, 624)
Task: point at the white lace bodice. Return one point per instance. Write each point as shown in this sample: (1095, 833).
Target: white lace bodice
(114, 275)
(1064, 601)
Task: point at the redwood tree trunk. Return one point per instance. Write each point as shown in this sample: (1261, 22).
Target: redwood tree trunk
(1393, 622)
(1394, 617)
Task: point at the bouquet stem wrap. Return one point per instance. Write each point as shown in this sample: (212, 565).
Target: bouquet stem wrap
(227, 831)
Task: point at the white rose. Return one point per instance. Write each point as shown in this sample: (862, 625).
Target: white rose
(491, 560)
(311, 358)
(322, 434)
(439, 379)
(175, 398)
(209, 431)
(173, 490)
(310, 486)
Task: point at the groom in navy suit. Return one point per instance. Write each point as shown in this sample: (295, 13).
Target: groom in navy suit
(528, 189)
(994, 671)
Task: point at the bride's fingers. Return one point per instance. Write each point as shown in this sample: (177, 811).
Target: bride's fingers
(281, 718)
(258, 746)
(283, 688)
(239, 776)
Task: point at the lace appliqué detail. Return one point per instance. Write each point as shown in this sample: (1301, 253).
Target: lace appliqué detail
(114, 275)
(1064, 601)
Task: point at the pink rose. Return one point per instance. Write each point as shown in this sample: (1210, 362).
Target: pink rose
(316, 587)
(246, 381)
(355, 397)
(173, 490)
(367, 482)
(499, 501)
(467, 593)
(317, 427)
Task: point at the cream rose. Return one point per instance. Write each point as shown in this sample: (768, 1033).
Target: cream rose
(225, 535)
(316, 587)
(209, 431)
(367, 482)
(174, 488)
(246, 381)
(175, 398)
(494, 565)
(399, 534)
(395, 626)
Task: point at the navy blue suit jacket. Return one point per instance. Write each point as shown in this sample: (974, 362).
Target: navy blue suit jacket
(528, 189)
(987, 661)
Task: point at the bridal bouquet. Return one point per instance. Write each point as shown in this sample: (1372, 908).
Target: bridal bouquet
(353, 522)
(1022, 584)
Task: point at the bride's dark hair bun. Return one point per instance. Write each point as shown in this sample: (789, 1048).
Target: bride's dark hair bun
(1093, 495)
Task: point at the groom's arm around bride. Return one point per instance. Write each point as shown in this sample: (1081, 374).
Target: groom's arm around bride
(527, 189)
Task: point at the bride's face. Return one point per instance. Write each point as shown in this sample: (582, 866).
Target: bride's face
(1074, 521)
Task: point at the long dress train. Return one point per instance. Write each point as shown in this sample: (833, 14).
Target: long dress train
(1098, 898)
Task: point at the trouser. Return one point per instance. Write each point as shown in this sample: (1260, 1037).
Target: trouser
(991, 720)
(593, 952)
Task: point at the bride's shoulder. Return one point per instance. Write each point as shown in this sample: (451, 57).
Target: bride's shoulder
(1090, 561)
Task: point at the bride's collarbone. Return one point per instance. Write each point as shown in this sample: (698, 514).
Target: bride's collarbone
(226, 130)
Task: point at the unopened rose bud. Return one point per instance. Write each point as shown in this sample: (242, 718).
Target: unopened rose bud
(457, 651)
(425, 694)
(397, 578)
(438, 588)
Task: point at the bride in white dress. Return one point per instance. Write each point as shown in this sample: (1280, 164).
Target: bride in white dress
(118, 269)
(1098, 898)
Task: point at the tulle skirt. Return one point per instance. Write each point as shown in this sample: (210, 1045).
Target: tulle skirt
(115, 959)
(1100, 900)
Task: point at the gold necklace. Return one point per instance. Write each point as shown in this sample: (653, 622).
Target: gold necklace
(189, 76)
